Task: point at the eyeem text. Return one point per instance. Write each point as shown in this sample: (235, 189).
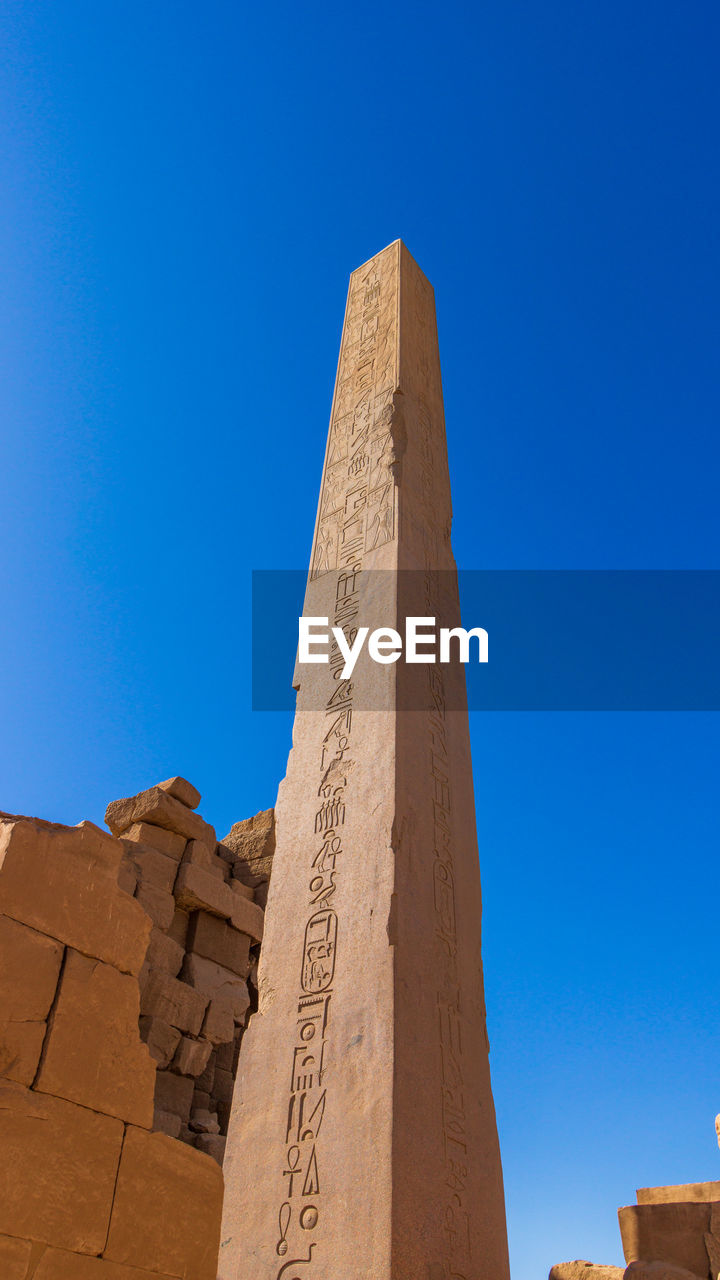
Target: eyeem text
(385, 644)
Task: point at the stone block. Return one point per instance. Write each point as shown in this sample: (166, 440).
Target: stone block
(29, 969)
(219, 1024)
(179, 927)
(152, 866)
(202, 855)
(684, 1191)
(242, 890)
(58, 1264)
(158, 903)
(213, 1144)
(62, 881)
(660, 1271)
(673, 1233)
(215, 939)
(174, 1002)
(198, 890)
(253, 842)
(580, 1270)
(93, 1052)
(161, 1039)
(223, 1085)
(164, 953)
(204, 1122)
(167, 1122)
(248, 917)
(127, 877)
(162, 1181)
(224, 1056)
(205, 1081)
(218, 983)
(191, 1057)
(174, 1093)
(181, 790)
(167, 842)
(201, 1100)
(159, 809)
(223, 1111)
(60, 1154)
(712, 1247)
(14, 1257)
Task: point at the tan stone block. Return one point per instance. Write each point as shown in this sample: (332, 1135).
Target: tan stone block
(160, 810)
(164, 953)
(224, 1055)
(93, 1051)
(201, 1100)
(712, 1246)
(182, 790)
(14, 1257)
(204, 1122)
(127, 877)
(223, 1085)
(162, 1181)
(219, 983)
(198, 890)
(60, 1154)
(580, 1270)
(248, 917)
(174, 1093)
(167, 842)
(167, 1122)
(152, 866)
(660, 1271)
(205, 1081)
(179, 927)
(242, 890)
(62, 881)
(219, 1024)
(174, 1002)
(159, 905)
(161, 1039)
(192, 1056)
(253, 842)
(213, 1144)
(202, 855)
(58, 1264)
(672, 1232)
(684, 1191)
(29, 969)
(213, 938)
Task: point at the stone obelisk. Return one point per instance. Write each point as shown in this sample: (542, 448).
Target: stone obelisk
(363, 1143)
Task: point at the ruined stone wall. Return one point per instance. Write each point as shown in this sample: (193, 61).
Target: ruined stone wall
(124, 962)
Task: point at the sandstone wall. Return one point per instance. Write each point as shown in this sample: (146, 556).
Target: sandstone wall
(124, 962)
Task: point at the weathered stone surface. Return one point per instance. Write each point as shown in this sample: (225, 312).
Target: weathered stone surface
(659, 1271)
(223, 1085)
(127, 877)
(161, 1039)
(205, 1081)
(29, 969)
(58, 1264)
(179, 927)
(14, 1257)
(159, 905)
(201, 855)
(164, 953)
(157, 837)
(219, 1024)
(198, 890)
(219, 983)
(372, 941)
(62, 881)
(712, 1248)
(224, 1056)
(695, 1191)
(192, 1056)
(167, 1122)
(672, 1233)
(181, 790)
(248, 917)
(581, 1270)
(158, 809)
(204, 1122)
(211, 937)
(93, 1052)
(60, 1155)
(162, 1181)
(174, 1002)
(242, 890)
(252, 846)
(213, 1144)
(174, 1093)
(153, 867)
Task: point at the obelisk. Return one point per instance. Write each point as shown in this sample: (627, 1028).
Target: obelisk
(363, 1142)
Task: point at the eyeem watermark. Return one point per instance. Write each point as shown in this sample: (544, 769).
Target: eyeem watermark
(422, 643)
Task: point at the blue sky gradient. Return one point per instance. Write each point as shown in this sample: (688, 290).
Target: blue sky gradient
(186, 189)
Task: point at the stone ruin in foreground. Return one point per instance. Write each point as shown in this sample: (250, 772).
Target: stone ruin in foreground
(170, 1110)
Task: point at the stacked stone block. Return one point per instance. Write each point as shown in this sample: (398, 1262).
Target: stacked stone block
(87, 1190)
(206, 929)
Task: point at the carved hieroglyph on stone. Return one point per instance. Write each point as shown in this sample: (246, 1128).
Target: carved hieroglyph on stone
(362, 1141)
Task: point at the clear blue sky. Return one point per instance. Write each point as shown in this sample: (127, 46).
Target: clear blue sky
(185, 190)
